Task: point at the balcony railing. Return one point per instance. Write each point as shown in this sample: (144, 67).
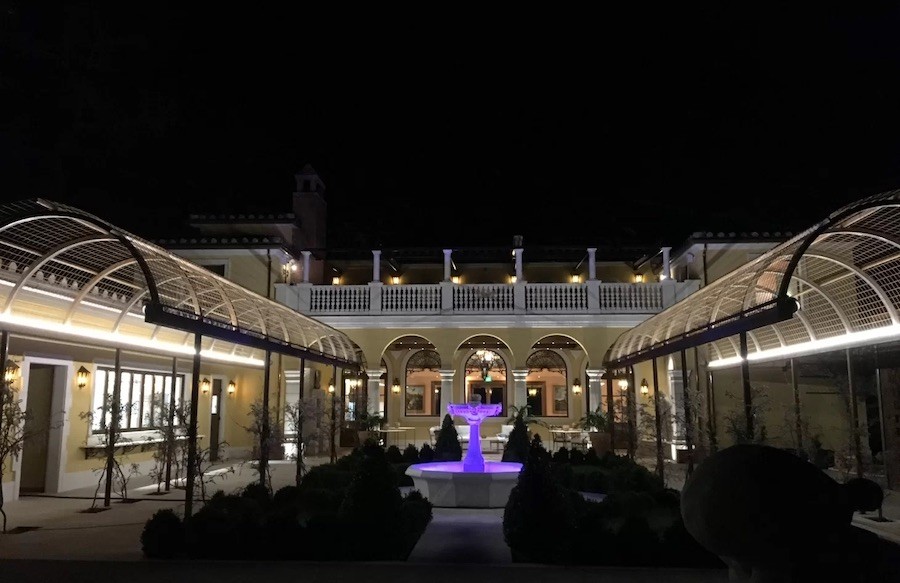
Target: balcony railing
(592, 297)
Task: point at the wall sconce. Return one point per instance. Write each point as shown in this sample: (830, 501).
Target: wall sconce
(204, 386)
(455, 279)
(437, 390)
(576, 278)
(532, 391)
(395, 279)
(395, 388)
(11, 373)
(576, 387)
(82, 377)
(336, 280)
(623, 384)
(645, 388)
(331, 385)
(638, 278)
(232, 388)
(512, 279)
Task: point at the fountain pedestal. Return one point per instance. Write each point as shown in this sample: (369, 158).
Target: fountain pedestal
(472, 483)
(474, 413)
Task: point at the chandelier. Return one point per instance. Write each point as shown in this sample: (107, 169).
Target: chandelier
(485, 361)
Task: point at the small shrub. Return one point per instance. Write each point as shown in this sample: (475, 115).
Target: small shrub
(518, 446)
(576, 457)
(163, 535)
(286, 497)
(561, 456)
(257, 492)
(394, 455)
(411, 454)
(448, 448)
(591, 457)
(415, 514)
(426, 454)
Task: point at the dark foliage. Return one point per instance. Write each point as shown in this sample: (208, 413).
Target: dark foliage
(538, 505)
(447, 448)
(394, 455)
(426, 454)
(411, 454)
(576, 457)
(518, 446)
(163, 535)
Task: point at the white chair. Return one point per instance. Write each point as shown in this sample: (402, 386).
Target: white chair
(503, 436)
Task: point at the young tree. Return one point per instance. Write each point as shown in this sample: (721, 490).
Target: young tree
(109, 439)
(294, 416)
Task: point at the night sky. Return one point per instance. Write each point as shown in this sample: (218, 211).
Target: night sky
(637, 123)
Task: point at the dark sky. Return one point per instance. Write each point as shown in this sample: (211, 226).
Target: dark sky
(641, 122)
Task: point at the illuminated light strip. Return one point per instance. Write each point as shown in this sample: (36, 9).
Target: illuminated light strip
(821, 345)
(70, 299)
(115, 338)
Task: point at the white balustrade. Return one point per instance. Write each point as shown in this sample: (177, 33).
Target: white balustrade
(490, 298)
(414, 298)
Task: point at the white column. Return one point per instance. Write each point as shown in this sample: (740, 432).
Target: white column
(595, 387)
(520, 397)
(447, 253)
(373, 391)
(518, 253)
(306, 255)
(376, 265)
(666, 268)
(447, 390)
(592, 263)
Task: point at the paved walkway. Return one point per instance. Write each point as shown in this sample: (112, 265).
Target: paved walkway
(469, 542)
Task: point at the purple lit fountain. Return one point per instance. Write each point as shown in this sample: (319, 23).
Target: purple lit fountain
(473, 482)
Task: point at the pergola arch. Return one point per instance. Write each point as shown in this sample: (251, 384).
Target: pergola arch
(62, 268)
(844, 270)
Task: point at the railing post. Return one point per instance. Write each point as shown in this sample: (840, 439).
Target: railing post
(447, 297)
(519, 297)
(375, 288)
(667, 288)
(593, 296)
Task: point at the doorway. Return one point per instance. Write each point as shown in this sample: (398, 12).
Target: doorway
(215, 418)
(35, 449)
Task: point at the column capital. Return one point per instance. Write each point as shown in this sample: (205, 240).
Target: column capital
(376, 252)
(519, 374)
(595, 373)
(591, 249)
(375, 373)
(447, 374)
(306, 253)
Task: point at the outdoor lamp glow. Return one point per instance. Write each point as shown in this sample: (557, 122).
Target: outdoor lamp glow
(645, 388)
(638, 278)
(455, 279)
(395, 279)
(331, 385)
(11, 372)
(204, 386)
(232, 388)
(576, 387)
(532, 391)
(81, 378)
(623, 384)
(395, 388)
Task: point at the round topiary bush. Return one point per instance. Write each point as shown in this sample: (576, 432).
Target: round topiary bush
(163, 535)
(448, 448)
(411, 454)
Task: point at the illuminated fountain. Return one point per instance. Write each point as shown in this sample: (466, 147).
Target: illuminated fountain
(473, 482)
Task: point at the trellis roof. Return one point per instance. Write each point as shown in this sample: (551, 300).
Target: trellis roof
(62, 269)
(835, 285)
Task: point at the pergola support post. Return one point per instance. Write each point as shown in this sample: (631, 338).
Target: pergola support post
(888, 475)
(688, 415)
(854, 416)
(264, 429)
(660, 464)
(610, 412)
(798, 422)
(299, 428)
(192, 430)
(745, 382)
(170, 446)
(112, 430)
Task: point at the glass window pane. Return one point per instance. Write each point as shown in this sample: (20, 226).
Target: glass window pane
(124, 399)
(147, 413)
(97, 421)
(134, 411)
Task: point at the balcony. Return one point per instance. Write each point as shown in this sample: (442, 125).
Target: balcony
(592, 297)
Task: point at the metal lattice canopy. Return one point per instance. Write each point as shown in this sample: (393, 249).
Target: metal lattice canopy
(835, 285)
(65, 272)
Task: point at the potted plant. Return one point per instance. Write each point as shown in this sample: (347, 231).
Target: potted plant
(368, 422)
(595, 423)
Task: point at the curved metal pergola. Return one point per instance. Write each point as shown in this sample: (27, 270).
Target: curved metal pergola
(837, 284)
(62, 268)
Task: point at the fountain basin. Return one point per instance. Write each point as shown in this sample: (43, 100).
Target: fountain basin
(448, 485)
